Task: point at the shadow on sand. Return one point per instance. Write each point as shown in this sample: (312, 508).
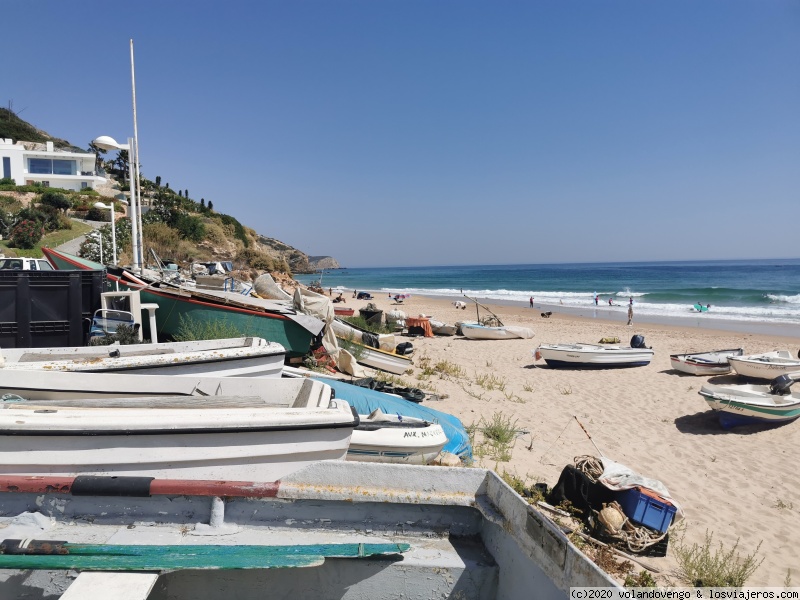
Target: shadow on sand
(707, 423)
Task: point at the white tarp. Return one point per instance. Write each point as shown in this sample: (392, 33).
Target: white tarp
(617, 476)
(317, 305)
(266, 287)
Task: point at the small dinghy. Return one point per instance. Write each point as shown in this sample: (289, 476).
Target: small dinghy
(705, 363)
(382, 437)
(507, 332)
(753, 404)
(767, 365)
(442, 328)
(595, 356)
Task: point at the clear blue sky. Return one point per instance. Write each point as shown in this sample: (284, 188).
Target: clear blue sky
(403, 132)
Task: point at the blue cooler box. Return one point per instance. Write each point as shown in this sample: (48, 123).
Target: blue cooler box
(647, 508)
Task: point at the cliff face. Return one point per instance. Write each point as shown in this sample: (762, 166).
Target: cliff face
(299, 261)
(323, 262)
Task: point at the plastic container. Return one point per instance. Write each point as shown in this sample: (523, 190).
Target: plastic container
(40, 309)
(647, 508)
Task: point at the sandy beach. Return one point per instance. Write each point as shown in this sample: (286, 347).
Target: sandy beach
(737, 485)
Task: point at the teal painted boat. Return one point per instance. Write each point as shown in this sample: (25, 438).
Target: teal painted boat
(254, 317)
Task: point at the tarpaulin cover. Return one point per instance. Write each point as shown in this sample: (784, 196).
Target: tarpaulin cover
(365, 400)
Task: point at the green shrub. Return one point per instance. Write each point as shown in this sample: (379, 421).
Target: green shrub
(700, 566)
(215, 234)
(256, 259)
(190, 228)
(55, 200)
(26, 234)
(8, 181)
(97, 214)
(191, 329)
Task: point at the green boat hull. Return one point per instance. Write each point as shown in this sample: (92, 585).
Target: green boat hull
(177, 312)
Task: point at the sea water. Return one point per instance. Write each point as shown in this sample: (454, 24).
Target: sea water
(744, 291)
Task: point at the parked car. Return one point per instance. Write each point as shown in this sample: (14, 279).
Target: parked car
(25, 264)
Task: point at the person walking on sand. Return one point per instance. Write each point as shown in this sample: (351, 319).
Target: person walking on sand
(531, 301)
(630, 312)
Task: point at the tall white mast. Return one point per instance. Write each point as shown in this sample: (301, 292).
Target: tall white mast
(139, 256)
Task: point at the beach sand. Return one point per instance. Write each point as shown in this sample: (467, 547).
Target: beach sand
(737, 485)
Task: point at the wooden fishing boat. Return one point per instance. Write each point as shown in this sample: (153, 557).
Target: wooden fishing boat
(353, 339)
(365, 530)
(250, 357)
(592, 356)
(264, 429)
(506, 332)
(766, 365)
(273, 320)
(714, 362)
(753, 404)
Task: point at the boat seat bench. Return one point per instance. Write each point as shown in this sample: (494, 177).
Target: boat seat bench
(92, 585)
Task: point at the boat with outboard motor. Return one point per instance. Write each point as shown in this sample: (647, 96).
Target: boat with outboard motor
(754, 404)
(595, 356)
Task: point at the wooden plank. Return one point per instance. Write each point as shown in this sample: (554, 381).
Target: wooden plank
(114, 557)
(120, 586)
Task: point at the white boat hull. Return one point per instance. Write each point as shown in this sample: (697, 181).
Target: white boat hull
(593, 356)
(768, 365)
(237, 357)
(704, 363)
(417, 445)
(261, 435)
(479, 332)
(750, 404)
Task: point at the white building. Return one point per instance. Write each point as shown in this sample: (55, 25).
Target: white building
(28, 163)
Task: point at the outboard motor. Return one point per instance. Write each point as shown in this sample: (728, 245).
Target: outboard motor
(637, 341)
(780, 385)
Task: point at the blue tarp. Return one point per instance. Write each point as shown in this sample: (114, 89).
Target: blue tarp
(365, 400)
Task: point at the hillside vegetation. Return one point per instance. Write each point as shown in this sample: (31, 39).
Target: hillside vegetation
(175, 225)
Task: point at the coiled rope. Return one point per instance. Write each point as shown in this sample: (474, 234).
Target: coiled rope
(637, 538)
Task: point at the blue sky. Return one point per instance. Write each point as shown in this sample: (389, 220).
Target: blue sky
(403, 132)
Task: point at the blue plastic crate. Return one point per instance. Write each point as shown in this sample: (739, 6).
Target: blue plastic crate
(647, 508)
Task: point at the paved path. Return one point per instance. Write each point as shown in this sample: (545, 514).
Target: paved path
(72, 246)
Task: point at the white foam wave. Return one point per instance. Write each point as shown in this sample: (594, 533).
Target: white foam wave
(784, 298)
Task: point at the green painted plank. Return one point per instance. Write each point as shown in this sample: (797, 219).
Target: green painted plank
(154, 563)
(112, 557)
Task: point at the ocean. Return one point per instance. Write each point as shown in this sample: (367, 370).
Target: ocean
(755, 292)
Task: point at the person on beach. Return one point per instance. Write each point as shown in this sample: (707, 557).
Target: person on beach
(596, 299)
(630, 312)
(531, 301)
(630, 301)
(611, 302)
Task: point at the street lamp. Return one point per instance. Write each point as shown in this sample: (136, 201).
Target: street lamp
(113, 230)
(108, 143)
